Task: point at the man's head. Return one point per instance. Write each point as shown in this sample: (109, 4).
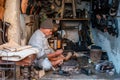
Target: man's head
(47, 27)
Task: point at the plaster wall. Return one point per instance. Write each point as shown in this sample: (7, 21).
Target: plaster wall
(12, 16)
(110, 44)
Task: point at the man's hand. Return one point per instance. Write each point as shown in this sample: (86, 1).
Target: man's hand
(57, 58)
(60, 51)
(56, 53)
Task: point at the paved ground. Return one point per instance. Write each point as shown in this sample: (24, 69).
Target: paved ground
(99, 76)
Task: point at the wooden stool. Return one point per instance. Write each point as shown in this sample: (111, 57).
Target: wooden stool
(26, 66)
(7, 70)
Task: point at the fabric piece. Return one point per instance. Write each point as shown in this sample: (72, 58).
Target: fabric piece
(17, 56)
(46, 64)
(15, 49)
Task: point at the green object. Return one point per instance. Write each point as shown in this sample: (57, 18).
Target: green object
(43, 17)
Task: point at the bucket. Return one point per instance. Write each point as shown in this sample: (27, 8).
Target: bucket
(95, 55)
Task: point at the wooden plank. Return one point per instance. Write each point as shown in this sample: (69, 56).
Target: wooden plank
(68, 1)
(74, 9)
(71, 19)
(62, 9)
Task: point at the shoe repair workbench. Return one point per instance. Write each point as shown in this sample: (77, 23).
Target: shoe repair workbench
(68, 71)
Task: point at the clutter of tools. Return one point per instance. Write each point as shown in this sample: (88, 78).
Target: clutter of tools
(87, 61)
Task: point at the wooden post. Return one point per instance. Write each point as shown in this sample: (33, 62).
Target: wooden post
(74, 9)
(12, 16)
(62, 9)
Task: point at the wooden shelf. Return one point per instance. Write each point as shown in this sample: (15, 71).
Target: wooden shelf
(71, 19)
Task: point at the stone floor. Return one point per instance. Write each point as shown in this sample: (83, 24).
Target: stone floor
(75, 76)
(80, 76)
(98, 76)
